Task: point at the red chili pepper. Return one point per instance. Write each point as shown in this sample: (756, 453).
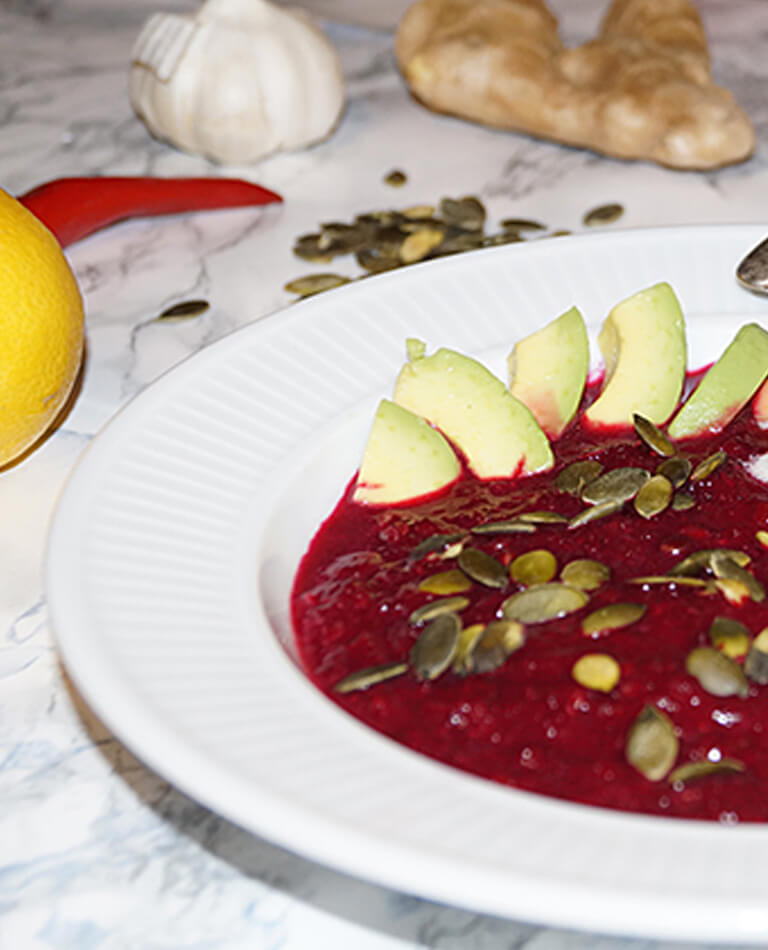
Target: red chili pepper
(73, 208)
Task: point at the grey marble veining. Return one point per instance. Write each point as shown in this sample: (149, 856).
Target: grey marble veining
(96, 851)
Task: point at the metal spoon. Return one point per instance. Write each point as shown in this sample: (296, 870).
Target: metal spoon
(752, 272)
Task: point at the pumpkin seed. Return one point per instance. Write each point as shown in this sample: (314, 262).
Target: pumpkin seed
(724, 567)
(498, 640)
(575, 477)
(419, 211)
(483, 568)
(654, 497)
(312, 247)
(395, 178)
(756, 662)
(340, 238)
(543, 602)
(185, 310)
(510, 526)
(682, 502)
(693, 771)
(611, 617)
(456, 243)
(762, 538)
(433, 545)
(505, 237)
(653, 437)
(699, 561)
(466, 213)
(620, 484)
(522, 224)
(651, 745)
(676, 469)
(542, 517)
(418, 244)
(598, 671)
(716, 673)
(729, 636)
(670, 580)
(604, 214)
(375, 262)
(446, 582)
(533, 567)
(708, 465)
(585, 574)
(311, 284)
(370, 676)
(462, 662)
(436, 608)
(735, 592)
(435, 649)
(595, 512)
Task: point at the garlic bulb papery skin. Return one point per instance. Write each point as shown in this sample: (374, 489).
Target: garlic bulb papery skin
(236, 82)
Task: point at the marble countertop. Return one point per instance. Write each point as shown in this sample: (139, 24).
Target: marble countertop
(96, 851)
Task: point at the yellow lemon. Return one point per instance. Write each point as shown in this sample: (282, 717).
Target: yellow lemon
(41, 329)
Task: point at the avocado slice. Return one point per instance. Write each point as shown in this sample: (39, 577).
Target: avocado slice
(404, 458)
(727, 386)
(644, 349)
(548, 371)
(497, 434)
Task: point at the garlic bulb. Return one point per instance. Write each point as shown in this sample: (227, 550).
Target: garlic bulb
(239, 80)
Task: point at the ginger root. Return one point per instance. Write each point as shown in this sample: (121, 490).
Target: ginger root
(642, 89)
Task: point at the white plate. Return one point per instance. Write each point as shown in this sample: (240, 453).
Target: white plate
(171, 558)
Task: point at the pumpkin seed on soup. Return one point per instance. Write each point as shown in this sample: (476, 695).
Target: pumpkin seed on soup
(499, 639)
(756, 662)
(436, 608)
(509, 526)
(694, 771)
(729, 636)
(651, 746)
(619, 484)
(676, 469)
(716, 673)
(707, 466)
(433, 652)
(585, 574)
(652, 435)
(682, 501)
(446, 582)
(595, 512)
(654, 497)
(462, 660)
(724, 567)
(483, 568)
(370, 676)
(598, 671)
(543, 602)
(611, 617)
(533, 567)
(542, 517)
(575, 477)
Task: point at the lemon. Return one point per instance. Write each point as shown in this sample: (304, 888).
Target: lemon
(41, 329)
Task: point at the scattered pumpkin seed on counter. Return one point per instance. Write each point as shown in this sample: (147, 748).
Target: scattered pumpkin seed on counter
(386, 239)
